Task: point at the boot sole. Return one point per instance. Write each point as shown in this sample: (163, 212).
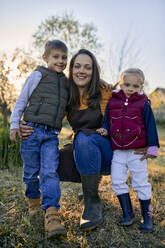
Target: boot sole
(55, 233)
(37, 219)
(146, 230)
(91, 227)
(128, 223)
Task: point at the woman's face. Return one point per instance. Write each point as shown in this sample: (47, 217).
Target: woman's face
(82, 70)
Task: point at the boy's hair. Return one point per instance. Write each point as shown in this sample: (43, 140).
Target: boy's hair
(54, 44)
(133, 71)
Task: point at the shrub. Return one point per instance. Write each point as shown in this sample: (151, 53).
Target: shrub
(9, 152)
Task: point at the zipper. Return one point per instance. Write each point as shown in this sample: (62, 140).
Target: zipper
(59, 95)
(39, 106)
(124, 111)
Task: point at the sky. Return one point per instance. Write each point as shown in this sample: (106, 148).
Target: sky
(143, 20)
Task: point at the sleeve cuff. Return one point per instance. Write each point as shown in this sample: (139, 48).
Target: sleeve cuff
(152, 150)
(14, 125)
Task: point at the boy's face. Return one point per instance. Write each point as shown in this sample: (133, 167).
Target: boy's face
(130, 84)
(56, 60)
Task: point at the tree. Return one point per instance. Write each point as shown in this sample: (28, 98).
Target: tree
(69, 30)
(157, 98)
(122, 55)
(12, 68)
(7, 90)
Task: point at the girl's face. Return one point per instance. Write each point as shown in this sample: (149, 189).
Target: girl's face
(82, 71)
(130, 84)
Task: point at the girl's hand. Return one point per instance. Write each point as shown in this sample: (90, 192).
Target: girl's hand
(25, 130)
(102, 131)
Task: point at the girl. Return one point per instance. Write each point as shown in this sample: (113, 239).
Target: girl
(130, 122)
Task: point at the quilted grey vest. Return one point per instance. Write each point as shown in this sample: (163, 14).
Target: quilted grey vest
(47, 104)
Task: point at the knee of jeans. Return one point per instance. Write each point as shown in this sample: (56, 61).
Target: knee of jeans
(81, 140)
(30, 179)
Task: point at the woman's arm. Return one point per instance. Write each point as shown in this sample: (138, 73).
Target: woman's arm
(105, 85)
(25, 130)
(106, 122)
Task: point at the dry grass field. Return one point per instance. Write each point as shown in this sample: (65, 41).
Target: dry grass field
(16, 230)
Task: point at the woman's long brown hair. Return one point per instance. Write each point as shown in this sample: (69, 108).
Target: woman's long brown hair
(93, 89)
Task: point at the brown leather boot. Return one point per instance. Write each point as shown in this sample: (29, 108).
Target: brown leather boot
(35, 212)
(53, 225)
(34, 206)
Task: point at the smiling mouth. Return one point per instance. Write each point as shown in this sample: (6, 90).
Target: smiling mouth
(81, 77)
(59, 66)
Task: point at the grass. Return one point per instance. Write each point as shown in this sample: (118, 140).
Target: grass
(16, 231)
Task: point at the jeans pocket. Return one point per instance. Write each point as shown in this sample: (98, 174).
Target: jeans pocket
(54, 131)
(30, 124)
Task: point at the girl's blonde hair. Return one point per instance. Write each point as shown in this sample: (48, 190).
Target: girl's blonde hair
(133, 71)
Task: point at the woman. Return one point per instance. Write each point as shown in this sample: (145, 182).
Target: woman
(92, 152)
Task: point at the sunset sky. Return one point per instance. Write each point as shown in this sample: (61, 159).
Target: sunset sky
(113, 18)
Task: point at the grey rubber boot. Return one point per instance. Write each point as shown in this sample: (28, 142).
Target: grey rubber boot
(92, 212)
(80, 194)
(146, 226)
(128, 215)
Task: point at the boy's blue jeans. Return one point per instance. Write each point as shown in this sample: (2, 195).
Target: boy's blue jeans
(93, 153)
(40, 156)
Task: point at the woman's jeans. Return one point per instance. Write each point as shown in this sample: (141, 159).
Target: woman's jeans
(40, 155)
(93, 153)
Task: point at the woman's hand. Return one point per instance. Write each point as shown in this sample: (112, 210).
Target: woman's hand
(148, 156)
(105, 85)
(14, 133)
(142, 151)
(25, 130)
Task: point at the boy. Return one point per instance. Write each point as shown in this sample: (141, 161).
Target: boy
(130, 121)
(43, 100)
